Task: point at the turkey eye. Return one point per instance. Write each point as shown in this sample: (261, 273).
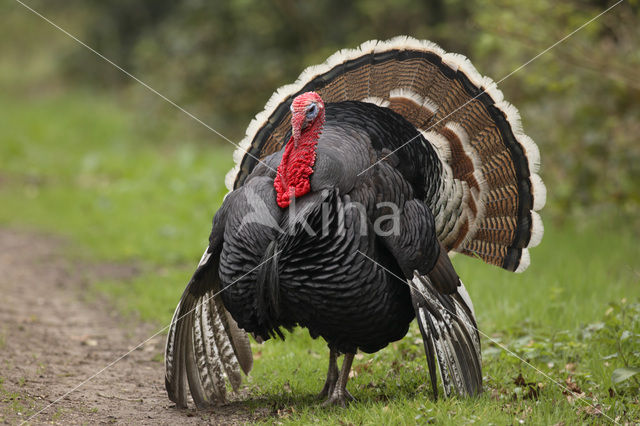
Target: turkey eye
(312, 111)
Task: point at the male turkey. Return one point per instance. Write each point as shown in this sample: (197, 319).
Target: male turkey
(350, 189)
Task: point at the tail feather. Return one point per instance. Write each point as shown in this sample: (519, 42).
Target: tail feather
(489, 165)
(450, 337)
(490, 229)
(496, 170)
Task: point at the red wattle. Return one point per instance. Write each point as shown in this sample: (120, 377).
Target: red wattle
(293, 174)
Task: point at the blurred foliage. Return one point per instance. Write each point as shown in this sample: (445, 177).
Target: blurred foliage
(580, 102)
(222, 60)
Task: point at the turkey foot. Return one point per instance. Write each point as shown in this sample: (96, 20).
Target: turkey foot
(340, 396)
(332, 376)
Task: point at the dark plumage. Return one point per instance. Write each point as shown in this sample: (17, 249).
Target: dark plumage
(322, 280)
(345, 224)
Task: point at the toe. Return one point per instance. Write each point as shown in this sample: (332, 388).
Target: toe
(341, 399)
(348, 396)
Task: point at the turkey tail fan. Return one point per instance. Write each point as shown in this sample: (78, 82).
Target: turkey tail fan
(450, 337)
(205, 347)
(489, 189)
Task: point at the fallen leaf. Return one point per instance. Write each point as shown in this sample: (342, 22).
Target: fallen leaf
(592, 410)
(531, 389)
(572, 386)
(519, 381)
(623, 373)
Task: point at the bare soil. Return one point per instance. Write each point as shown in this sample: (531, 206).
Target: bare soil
(54, 335)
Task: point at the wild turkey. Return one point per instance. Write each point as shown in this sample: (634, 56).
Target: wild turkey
(302, 240)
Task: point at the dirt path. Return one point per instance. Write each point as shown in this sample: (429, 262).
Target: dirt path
(52, 338)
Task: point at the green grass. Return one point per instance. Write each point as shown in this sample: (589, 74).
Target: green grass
(123, 186)
(85, 168)
(15, 406)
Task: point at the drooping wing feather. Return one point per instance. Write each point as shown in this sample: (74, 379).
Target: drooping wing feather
(450, 337)
(489, 191)
(205, 348)
(441, 304)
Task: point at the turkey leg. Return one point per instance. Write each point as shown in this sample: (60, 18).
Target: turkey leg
(340, 395)
(332, 376)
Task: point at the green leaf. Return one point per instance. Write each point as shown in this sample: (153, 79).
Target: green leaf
(623, 373)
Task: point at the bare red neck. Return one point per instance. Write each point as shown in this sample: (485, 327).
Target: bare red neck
(295, 169)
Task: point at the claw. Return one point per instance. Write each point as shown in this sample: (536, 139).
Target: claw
(326, 390)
